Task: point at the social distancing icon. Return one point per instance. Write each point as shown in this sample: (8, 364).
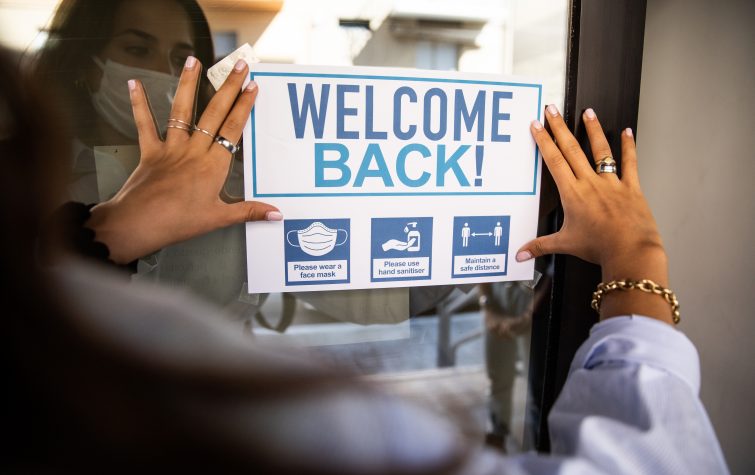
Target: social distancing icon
(480, 245)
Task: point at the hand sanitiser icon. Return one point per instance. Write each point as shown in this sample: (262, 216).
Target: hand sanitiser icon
(411, 242)
(412, 237)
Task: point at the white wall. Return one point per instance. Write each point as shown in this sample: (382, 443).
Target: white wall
(22, 21)
(697, 161)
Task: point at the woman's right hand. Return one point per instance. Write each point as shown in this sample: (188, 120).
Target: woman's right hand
(607, 220)
(174, 193)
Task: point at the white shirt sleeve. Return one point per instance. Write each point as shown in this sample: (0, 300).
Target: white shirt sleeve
(630, 403)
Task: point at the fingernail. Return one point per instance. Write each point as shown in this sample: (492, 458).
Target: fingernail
(552, 110)
(240, 64)
(537, 125)
(191, 61)
(628, 131)
(590, 114)
(131, 85)
(273, 216)
(522, 256)
(251, 86)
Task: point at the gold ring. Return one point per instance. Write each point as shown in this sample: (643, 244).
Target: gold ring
(206, 132)
(180, 127)
(181, 122)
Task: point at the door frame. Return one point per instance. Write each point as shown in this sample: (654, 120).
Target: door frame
(603, 71)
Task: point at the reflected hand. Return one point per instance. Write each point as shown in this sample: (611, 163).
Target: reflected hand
(507, 327)
(607, 220)
(174, 193)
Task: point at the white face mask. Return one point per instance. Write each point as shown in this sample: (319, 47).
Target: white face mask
(317, 239)
(112, 100)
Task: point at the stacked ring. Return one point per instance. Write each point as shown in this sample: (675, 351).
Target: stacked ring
(180, 125)
(180, 122)
(206, 132)
(226, 144)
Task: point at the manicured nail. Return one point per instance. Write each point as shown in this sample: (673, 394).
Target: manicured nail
(537, 125)
(191, 61)
(590, 114)
(273, 216)
(240, 64)
(251, 86)
(522, 256)
(552, 110)
(628, 131)
(131, 85)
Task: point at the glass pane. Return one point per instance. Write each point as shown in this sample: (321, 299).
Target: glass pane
(451, 350)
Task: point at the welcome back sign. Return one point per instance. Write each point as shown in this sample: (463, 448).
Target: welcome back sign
(390, 177)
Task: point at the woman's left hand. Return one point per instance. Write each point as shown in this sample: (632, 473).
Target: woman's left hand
(174, 193)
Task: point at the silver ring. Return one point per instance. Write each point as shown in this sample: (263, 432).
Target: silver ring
(206, 132)
(606, 165)
(227, 144)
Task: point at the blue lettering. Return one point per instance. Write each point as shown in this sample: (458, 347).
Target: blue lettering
(339, 164)
(370, 133)
(451, 164)
(308, 108)
(342, 111)
(373, 152)
(397, 131)
(428, 113)
(476, 115)
(401, 165)
(498, 116)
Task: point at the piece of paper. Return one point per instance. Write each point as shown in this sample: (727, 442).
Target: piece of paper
(390, 177)
(220, 71)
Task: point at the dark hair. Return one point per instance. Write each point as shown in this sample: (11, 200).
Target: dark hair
(79, 30)
(27, 191)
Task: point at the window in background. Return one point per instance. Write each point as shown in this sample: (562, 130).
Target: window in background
(437, 55)
(225, 42)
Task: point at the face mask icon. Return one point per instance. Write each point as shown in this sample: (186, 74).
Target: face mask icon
(317, 239)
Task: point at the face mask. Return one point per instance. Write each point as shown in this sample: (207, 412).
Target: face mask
(317, 239)
(112, 100)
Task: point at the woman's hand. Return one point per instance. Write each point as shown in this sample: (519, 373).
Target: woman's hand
(606, 219)
(174, 193)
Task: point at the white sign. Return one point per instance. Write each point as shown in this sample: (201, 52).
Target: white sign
(390, 177)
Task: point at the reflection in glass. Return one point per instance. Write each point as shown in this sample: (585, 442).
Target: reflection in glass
(449, 347)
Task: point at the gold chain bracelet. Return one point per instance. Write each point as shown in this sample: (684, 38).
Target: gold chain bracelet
(644, 285)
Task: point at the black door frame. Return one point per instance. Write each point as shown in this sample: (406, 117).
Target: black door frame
(604, 68)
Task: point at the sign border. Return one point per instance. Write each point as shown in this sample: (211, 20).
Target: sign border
(252, 75)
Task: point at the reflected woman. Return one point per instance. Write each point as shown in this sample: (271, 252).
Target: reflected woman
(95, 46)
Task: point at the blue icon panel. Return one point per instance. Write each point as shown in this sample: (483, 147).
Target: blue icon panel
(317, 251)
(480, 246)
(401, 249)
